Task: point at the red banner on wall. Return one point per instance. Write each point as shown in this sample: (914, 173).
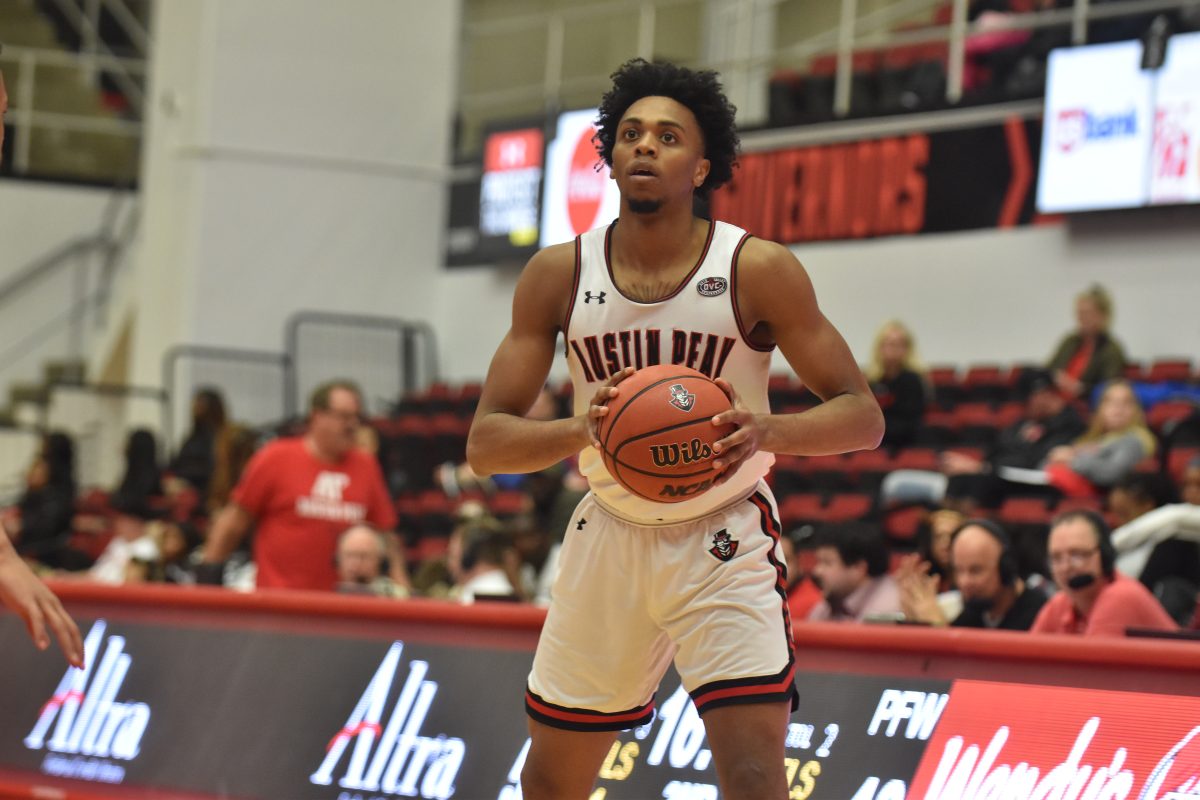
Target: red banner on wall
(1053, 743)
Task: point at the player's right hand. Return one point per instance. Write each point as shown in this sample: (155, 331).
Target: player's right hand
(599, 405)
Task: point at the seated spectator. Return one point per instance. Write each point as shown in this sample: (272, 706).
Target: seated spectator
(851, 571)
(133, 547)
(141, 486)
(898, 381)
(361, 563)
(481, 558)
(1115, 441)
(802, 592)
(1088, 356)
(1049, 422)
(1094, 598)
(196, 459)
(987, 576)
(178, 545)
(537, 552)
(1159, 543)
(933, 559)
(300, 493)
(234, 448)
(40, 523)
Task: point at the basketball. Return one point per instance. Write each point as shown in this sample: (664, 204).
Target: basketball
(657, 437)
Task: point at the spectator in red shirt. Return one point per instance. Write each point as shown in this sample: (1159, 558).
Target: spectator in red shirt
(1095, 599)
(300, 493)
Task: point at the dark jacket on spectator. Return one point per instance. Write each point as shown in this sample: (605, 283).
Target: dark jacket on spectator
(1107, 361)
(903, 402)
(1018, 618)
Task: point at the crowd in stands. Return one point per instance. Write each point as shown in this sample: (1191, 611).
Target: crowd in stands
(1033, 497)
(1003, 60)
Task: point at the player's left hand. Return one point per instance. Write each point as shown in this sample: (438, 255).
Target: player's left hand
(732, 451)
(21, 591)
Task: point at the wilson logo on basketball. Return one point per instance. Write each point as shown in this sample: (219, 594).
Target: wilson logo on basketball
(585, 186)
(670, 455)
(711, 287)
(681, 398)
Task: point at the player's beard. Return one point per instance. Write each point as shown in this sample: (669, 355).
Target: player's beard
(644, 206)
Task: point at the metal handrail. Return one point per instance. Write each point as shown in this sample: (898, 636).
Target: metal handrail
(88, 29)
(852, 33)
(110, 242)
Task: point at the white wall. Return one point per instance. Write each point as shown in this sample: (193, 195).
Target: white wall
(970, 297)
(295, 159)
(39, 217)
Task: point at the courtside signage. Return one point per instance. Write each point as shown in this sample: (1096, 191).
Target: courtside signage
(1003, 740)
(395, 760)
(86, 731)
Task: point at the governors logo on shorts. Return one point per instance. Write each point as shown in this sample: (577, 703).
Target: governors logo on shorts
(724, 546)
(681, 398)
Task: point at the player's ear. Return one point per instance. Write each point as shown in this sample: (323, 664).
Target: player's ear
(703, 167)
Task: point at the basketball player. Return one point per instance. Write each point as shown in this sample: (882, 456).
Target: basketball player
(699, 581)
(20, 589)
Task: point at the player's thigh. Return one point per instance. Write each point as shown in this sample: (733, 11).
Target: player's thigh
(562, 764)
(600, 651)
(747, 743)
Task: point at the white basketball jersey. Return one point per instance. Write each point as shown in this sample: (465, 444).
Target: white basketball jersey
(697, 325)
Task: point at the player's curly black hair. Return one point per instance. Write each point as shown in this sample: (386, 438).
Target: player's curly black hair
(699, 90)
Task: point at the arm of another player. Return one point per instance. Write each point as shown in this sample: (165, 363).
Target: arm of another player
(27, 596)
(776, 298)
(502, 440)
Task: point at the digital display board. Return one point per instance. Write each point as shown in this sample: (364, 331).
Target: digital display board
(510, 186)
(577, 196)
(1116, 135)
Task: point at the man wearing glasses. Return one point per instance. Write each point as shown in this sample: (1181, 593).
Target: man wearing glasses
(1094, 599)
(301, 493)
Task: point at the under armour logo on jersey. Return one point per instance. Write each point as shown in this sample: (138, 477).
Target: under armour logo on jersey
(724, 546)
(589, 297)
(579, 525)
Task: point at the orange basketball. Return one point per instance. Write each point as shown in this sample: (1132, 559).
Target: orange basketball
(656, 439)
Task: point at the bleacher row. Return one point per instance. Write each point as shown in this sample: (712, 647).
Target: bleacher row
(970, 407)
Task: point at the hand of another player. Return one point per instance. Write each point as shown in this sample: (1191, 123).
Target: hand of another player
(21, 591)
(734, 449)
(599, 405)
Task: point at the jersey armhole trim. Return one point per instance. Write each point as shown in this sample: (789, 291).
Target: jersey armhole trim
(733, 298)
(566, 325)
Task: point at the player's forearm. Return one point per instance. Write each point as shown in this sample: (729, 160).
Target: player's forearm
(841, 424)
(226, 533)
(505, 443)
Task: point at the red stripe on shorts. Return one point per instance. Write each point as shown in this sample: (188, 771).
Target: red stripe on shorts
(583, 715)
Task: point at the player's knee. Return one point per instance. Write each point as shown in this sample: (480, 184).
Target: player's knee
(539, 782)
(753, 779)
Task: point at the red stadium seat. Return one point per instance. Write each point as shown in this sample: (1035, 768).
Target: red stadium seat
(1024, 511)
(800, 508)
(1170, 369)
(1162, 414)
(1178, 459)
(901, 524)
(917, 458)
(846, 507)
